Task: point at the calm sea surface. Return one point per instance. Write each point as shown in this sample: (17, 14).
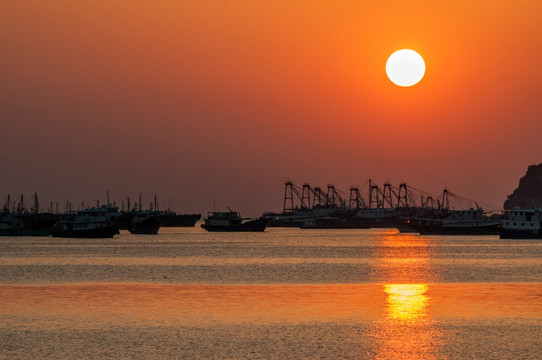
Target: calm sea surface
(281, 294)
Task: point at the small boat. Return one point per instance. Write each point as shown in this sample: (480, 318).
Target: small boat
(91, 223)
(522, 224)
(232, 221)
(144, 222)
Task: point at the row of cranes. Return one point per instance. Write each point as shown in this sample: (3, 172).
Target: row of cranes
(387, 196)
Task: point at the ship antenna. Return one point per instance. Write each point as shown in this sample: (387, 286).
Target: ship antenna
(36, 203)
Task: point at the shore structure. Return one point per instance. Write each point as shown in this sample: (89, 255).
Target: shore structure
(383, 207)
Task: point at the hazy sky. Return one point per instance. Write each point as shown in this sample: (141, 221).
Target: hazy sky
(214, 100)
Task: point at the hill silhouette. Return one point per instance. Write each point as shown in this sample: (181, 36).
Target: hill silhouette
(528, 194)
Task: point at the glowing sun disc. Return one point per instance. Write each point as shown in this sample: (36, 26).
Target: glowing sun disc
(405, 67)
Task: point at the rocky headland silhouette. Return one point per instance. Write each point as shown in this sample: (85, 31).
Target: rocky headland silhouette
(528, 194)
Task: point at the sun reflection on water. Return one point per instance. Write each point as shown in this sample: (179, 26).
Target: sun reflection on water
(406, 329)
(406, 302)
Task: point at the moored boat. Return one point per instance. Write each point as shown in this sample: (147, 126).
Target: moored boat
(22, 222)
(144, 222)
(232, 221)
(27, 224)
(456, 222)
(172, 219)
(90, 223)
(522, 224)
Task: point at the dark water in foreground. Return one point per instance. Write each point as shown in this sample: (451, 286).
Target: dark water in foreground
(285, 293)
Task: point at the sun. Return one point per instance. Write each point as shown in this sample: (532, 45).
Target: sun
(405, 67)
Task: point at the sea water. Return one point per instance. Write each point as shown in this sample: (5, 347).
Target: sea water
(281, 294)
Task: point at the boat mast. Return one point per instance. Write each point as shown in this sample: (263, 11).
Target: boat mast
(36, 203)
(375, 200)
(354, 203)
(288, 197)
(305, 196)
(330, 197)
(404, 197)
(445, 199)
(21, 204)
(370, 193)
(386, 195)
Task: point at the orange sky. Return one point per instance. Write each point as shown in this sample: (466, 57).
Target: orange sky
(202, 101)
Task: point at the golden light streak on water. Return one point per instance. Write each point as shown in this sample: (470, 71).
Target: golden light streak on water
(405, 259)
(405, 329)
(285, 293)
(406, 302)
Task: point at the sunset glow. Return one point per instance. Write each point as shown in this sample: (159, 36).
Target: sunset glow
(243, 179)
(160, 91)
